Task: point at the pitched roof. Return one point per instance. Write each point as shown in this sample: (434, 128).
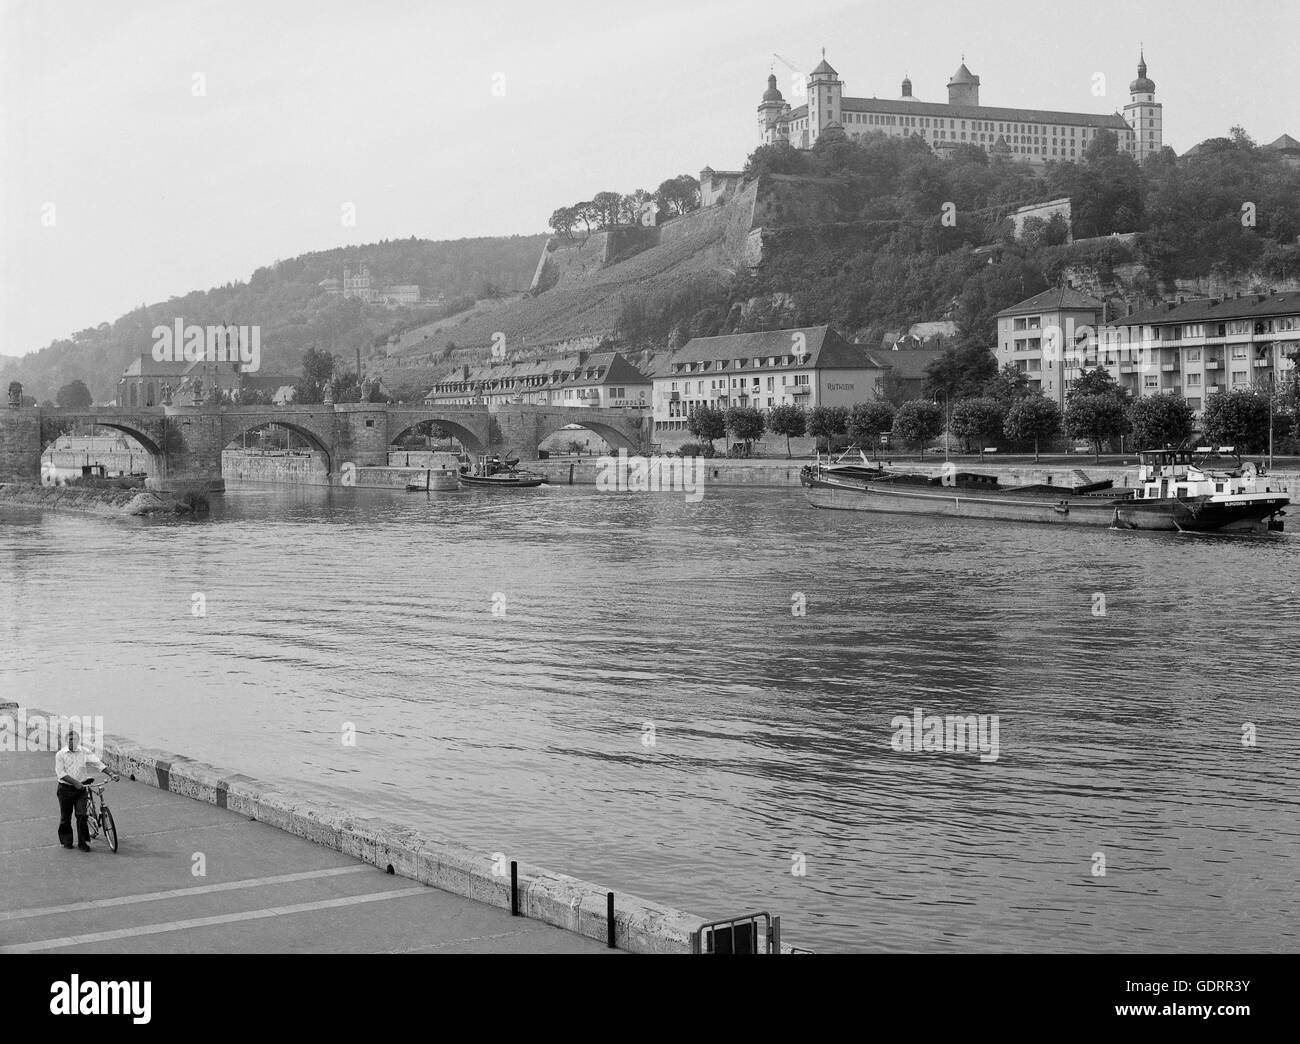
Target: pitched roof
(612, 367)
(826, 349)
(909, 363)
(144, 365)
(912, 107)
(1285, 143)
(1059, 298)
(1248, 306)
(963, 75)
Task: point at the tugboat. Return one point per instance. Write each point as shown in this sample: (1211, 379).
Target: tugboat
(1174, 492)
(495, 473)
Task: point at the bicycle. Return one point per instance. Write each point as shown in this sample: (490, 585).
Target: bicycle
(99, 820)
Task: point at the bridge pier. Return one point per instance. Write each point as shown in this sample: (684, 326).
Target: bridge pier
(20, 444)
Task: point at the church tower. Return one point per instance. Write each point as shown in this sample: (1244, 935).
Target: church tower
(1143, 113)
(770, 111)
(825, 91)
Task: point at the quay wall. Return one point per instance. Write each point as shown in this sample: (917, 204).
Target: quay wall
(308, 469)
(785, 473)
(640, 926)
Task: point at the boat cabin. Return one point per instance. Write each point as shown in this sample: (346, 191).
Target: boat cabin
(1174, 473)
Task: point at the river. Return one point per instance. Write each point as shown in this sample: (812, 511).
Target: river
(621, 618)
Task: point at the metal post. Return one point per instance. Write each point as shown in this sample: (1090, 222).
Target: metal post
(1270, 420)
(774, 936)
(514, 889)
(609, 920)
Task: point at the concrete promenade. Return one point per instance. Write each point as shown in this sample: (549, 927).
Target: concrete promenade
(264, 891)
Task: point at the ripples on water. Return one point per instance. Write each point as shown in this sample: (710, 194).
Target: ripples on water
(1119, 734)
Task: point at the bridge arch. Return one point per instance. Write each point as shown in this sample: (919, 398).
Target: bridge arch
(472, 443)
(615, 436)
(241, 425)
(54, 428)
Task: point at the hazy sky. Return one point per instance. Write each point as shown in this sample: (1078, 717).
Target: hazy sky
(183, 144)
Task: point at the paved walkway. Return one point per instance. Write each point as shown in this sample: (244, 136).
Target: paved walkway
(264, 891)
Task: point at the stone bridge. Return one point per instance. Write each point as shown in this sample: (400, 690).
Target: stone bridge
(185, 442)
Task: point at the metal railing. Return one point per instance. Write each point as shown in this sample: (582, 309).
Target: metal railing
(740, 935)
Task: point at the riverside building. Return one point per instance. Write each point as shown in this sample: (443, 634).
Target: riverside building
(580, 379)
(1198, 347)
(809, 366)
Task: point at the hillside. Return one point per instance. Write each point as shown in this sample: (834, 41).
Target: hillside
(853, 234)
(293, 310)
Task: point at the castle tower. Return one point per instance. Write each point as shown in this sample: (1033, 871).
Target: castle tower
(825, 90)
(964, 87)
(770, 111)
(1143, 113)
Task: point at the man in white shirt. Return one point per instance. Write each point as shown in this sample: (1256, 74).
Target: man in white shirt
(70, 769)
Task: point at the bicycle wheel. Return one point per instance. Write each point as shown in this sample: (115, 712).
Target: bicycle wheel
(110, 828)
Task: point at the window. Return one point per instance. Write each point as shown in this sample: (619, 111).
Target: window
(1239, 351)
(1150, 380)
(801, 379)
(1194, 355)
(1193, 380)
(1240, 377)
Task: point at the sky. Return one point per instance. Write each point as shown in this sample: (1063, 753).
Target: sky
(148, 149)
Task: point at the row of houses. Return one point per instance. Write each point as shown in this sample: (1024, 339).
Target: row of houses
(809, 366)
(1193, 348)
(1190, 347)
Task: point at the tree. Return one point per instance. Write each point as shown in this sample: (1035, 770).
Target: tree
(1008, 385)
(789, 420)
(918, 421)
(605, 205)
(1236, 418)
(347, 388)
(1095, 416)
(74, 394)
(960, 372)
(317, 371)
(1032, 417)
(707, 422)
(679, 195)
(980, 419)
(1096, 382)
(825, 422)
(746, 423)
(1160, 421)
(562, 221)
(867, 420)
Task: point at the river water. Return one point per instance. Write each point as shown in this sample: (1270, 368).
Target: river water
(621, 618)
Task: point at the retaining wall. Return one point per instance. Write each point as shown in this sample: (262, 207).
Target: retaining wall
(640, 926)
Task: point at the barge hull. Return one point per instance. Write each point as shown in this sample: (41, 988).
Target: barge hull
(1196, 515)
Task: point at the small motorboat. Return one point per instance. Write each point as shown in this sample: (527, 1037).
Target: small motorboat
(494, 473)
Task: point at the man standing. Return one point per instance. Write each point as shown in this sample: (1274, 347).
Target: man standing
(69, 769)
